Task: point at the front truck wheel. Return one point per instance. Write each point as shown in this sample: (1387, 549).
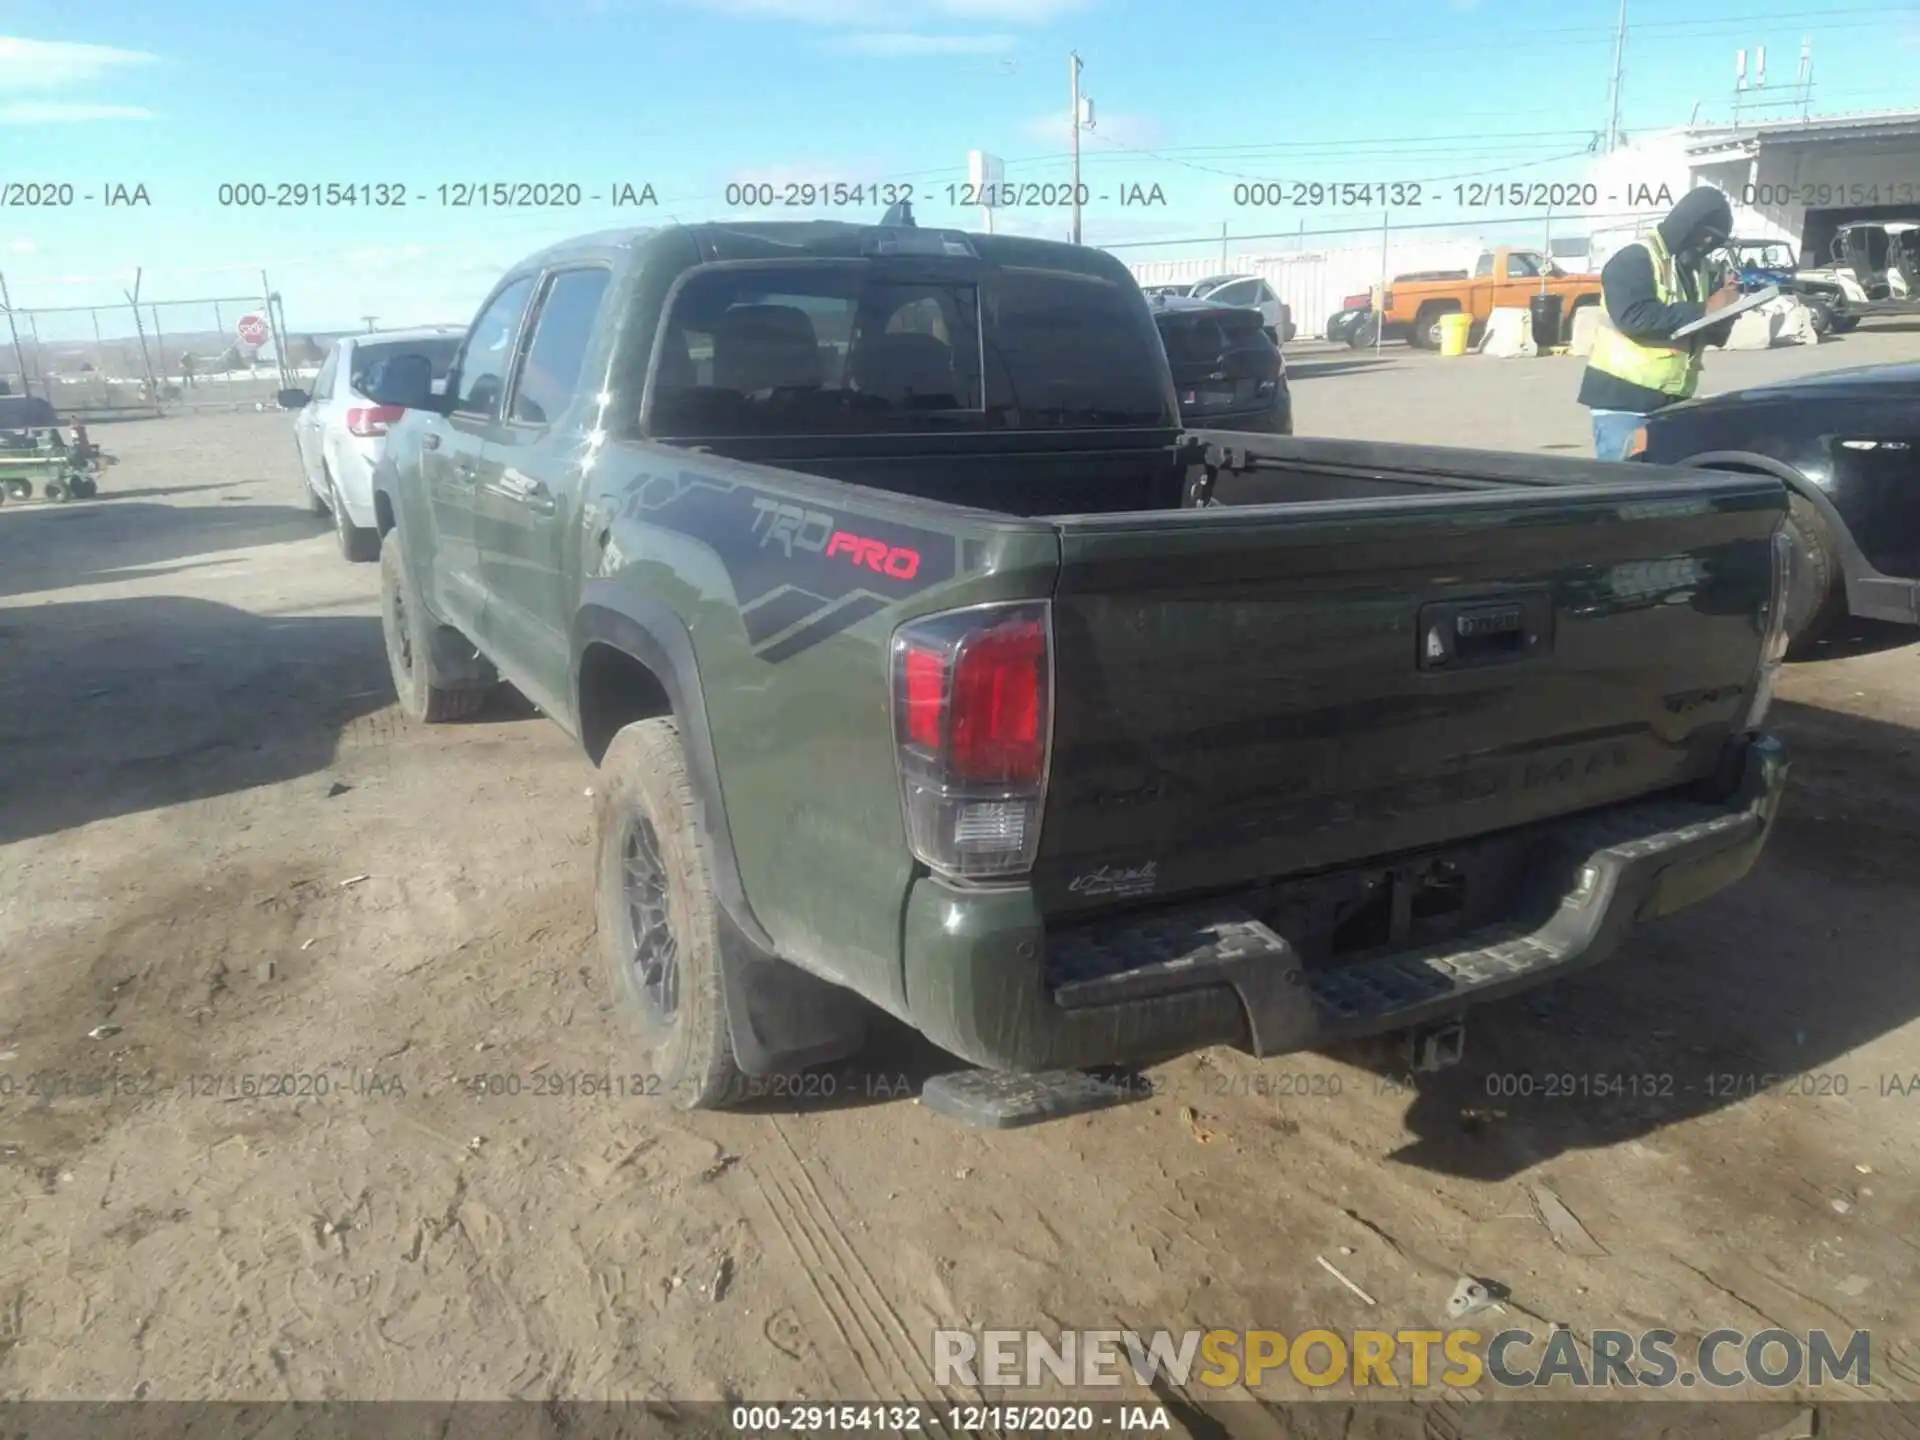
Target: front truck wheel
(414, 640)
(659, 926)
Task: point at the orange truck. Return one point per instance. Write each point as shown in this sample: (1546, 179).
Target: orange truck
(1503, 277)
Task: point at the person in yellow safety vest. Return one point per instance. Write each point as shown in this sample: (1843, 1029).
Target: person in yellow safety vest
(1652, 288)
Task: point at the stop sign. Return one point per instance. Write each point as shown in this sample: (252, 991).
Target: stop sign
(253, 330)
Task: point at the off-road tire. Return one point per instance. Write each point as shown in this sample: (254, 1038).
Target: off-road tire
(1844, 323)
(409, 631)
(1822, 314)
(84, 487)
(57, 492)
(1817, 597)
(643, 782)
(357, 543)
(19, 489)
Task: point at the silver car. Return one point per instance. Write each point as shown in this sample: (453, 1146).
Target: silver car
(340, 431)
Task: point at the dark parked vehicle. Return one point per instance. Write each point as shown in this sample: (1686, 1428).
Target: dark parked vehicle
(1227, 372)
(1354, 324)
(1249, 291)
(931, 664)
(1847, 444)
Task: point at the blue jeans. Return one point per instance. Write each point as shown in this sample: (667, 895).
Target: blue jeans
(1613, 432)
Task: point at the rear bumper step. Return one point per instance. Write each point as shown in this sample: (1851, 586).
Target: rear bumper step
(1629, 863)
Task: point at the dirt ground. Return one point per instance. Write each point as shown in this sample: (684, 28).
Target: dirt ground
(224, 855)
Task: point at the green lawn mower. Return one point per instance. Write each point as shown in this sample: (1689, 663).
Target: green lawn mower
(40, 455)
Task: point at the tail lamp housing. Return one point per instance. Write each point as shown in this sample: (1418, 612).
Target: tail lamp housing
(1773, 628)
(973, 732)
(367, 421)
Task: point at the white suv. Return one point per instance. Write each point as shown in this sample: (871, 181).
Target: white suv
(340, 432)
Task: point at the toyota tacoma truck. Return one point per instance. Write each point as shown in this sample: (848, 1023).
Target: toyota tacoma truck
(930, 665)
(1413, 305)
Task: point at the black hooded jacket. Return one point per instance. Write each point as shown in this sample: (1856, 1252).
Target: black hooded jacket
(1633, 301)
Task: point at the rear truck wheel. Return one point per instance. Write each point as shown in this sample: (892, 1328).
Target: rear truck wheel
(1363, 334)
(659, 928)
(19, 489)
(357, 543)
(1816, 597)
(411, 635)
(57, 491)
(84, 487)
(1425, 334)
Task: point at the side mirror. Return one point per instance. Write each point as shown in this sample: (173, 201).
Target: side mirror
(293, 399)
(406, 381)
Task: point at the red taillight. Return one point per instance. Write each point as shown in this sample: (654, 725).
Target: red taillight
(998, 705)
(926, 696)
(973, 722)
(1357, 302)
(370, 420)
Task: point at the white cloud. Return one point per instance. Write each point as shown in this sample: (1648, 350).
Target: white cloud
(58, 64)
(1127, 132)
(23, 247)
(66, 112)
(905, 44)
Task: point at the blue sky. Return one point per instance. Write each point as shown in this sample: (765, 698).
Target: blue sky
(692, 95)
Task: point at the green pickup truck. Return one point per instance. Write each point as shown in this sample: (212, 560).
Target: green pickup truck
(930, 665)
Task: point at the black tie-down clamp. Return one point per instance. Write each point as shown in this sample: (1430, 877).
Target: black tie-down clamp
(1203, 462)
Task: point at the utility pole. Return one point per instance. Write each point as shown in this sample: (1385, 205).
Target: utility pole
(1619, 57)
(370, 319)
(1073, 119)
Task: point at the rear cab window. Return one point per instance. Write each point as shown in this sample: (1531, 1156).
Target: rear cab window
(869, 347)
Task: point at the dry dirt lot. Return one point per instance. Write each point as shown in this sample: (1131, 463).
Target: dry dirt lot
(219, 842)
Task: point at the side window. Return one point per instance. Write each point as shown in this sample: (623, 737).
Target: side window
(1266, 295)
(323, 382)
(1484, 269)
(1241, 292)
(562, 327)
(489, 350)
(1522, 266)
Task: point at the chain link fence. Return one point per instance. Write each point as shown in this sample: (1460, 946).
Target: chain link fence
(149, 357)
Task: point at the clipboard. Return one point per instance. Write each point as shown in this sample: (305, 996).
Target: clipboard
(1739, 307)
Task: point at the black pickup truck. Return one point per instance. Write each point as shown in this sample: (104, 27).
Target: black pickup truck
(930, 665)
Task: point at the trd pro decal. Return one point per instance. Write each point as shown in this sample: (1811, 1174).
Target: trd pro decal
(799, 574)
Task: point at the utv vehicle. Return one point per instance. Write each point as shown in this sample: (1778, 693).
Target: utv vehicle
(36, 449)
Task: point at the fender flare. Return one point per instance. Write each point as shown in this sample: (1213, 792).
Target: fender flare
(650, 632)
(1853, 564)
(780, 1016)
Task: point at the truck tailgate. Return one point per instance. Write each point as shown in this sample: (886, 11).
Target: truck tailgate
(1249, 693)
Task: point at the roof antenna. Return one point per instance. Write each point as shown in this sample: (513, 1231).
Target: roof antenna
(899, 216)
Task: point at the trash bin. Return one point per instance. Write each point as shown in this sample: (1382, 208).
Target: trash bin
(1455, 329)
(1545, 310)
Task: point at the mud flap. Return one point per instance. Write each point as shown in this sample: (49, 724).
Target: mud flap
(780, 1017)
(455, 663)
